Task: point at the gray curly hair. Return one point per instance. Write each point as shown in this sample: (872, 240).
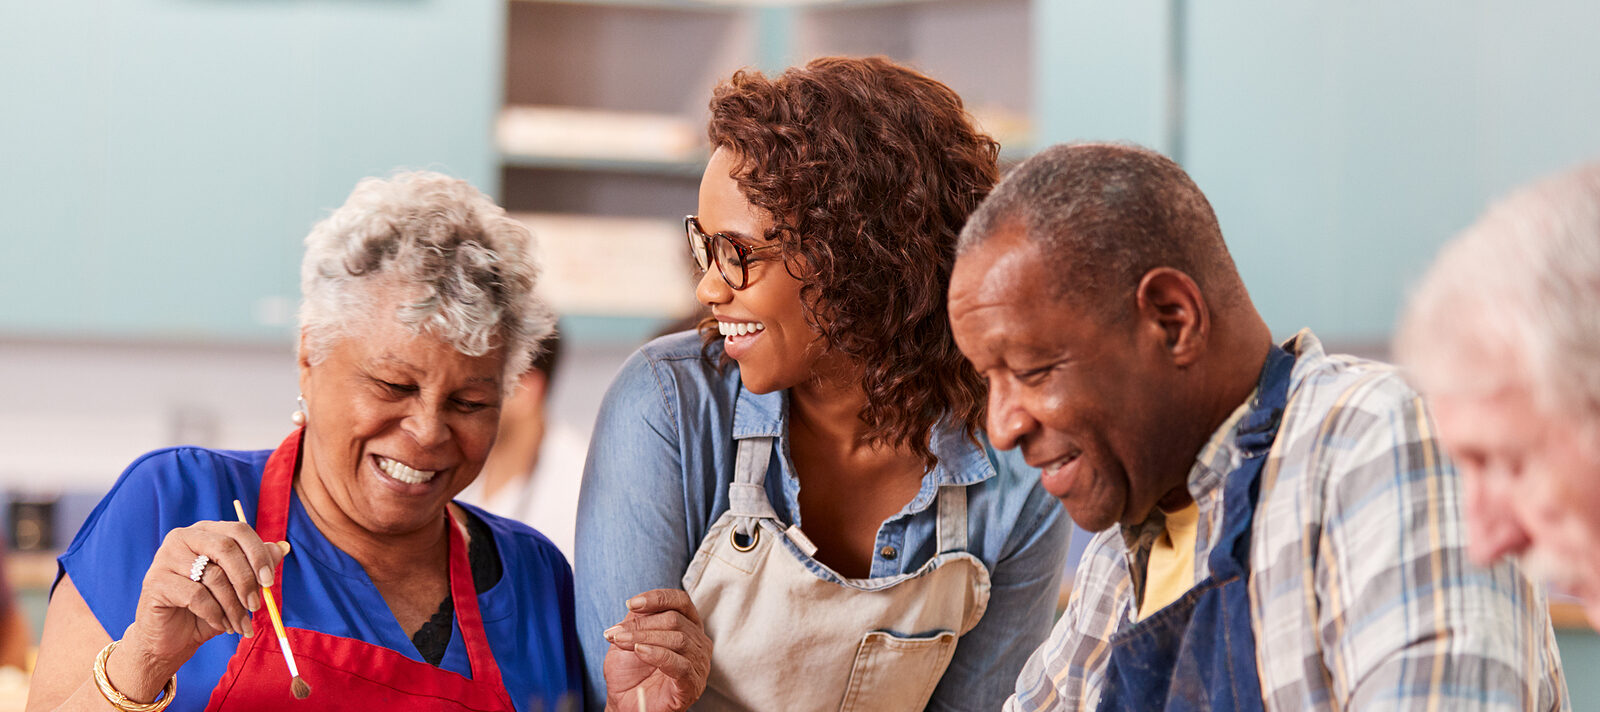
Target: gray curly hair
(1522, 283)
(466, 269)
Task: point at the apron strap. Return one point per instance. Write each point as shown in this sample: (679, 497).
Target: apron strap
(952, 527)
(1230, 556)
(747, 494)
(464, 595)
(277, 482)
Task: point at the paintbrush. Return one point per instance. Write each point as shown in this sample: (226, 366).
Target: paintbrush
(639, 695)
(297, 686)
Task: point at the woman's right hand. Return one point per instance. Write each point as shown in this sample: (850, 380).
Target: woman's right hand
(175, 614)
(660, 648)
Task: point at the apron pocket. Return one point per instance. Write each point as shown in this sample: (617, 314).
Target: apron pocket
(893, 673)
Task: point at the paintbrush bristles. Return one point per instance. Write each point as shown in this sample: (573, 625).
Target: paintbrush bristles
(300, 688)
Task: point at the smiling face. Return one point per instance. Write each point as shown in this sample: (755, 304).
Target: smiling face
(1082, 398)
(763, 325)
(1532, 485)
(397, 423)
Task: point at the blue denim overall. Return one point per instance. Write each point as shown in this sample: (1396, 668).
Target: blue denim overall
(1199, 653)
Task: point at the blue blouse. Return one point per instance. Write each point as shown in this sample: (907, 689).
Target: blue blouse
(527, 615)
(657, 478)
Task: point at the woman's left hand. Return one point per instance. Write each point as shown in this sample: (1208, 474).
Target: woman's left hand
(660, 647)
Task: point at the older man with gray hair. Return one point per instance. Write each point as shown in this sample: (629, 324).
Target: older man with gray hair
(1278, 527)
(1504, 337)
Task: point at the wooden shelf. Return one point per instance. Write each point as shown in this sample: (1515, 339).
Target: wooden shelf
(27, 569)
(1567, 615)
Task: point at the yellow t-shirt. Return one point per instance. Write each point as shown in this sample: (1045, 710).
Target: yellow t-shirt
(1170, 571)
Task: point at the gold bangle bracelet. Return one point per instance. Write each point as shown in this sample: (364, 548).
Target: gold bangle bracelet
(121, 701)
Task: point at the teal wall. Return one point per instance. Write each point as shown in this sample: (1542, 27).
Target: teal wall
(1580, 655)
(163, 158)
(1102, 71)
(1340, 143)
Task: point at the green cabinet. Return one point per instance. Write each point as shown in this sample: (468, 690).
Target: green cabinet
(164, 158)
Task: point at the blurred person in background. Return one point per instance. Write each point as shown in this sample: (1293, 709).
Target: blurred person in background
(1503, 335)
(16, 636)
(805, 479)
(418, 314)
(533, 472)
(1277, 526)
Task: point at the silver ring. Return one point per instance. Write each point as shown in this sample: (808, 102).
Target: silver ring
(198, 568)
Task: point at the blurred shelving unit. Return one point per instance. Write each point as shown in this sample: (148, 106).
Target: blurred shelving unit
(602, 135)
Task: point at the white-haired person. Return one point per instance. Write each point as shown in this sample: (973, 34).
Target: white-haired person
(1503, 336)
(418, 314)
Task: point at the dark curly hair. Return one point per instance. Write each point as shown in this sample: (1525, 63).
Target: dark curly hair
(869, 170)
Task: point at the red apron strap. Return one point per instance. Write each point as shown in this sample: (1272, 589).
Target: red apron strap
(465, 597)
(277, 481)
(272, 505)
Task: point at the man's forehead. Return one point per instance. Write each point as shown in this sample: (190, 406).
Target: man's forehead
(998, 272)
(1002, 305)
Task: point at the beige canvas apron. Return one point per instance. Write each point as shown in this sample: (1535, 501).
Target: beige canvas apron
(786, 637)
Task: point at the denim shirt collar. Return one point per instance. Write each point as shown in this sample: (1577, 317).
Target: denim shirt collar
(759, 415)
(961, 461)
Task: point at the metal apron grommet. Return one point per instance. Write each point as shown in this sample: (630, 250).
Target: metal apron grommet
(754, 537)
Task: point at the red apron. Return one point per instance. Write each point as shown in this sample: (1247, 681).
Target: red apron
(345, 673)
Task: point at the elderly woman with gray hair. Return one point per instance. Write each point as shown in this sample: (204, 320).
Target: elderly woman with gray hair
(418, 316)
(1503, 337)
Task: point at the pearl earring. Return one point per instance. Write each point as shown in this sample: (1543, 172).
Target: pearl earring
(299, 416)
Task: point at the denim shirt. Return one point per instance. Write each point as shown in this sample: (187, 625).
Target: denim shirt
(657, 477)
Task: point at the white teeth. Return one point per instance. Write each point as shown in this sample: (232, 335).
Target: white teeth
(1063, 462)
(730, 328)
(404, 473)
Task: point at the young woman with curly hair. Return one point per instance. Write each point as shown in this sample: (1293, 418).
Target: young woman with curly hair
(805, 482)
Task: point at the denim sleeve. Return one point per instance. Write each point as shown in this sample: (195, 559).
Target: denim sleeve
(1025, 584)
(630, 506)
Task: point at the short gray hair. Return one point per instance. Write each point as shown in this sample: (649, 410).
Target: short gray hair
(1522, 285)
(1105, 214)
(466, 268)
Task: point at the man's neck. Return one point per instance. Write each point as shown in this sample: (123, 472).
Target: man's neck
(1232, 372)
(1238, 366)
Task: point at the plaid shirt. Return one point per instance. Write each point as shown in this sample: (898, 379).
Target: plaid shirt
(1362, 594)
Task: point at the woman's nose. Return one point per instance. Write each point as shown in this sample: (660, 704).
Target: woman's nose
(426, 427)
(712, 289)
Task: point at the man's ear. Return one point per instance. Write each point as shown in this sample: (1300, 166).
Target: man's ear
(1170, 302)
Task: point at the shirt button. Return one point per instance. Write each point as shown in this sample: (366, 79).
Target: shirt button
(888, 552)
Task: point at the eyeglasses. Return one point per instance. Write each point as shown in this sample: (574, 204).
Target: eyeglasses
(731, 257)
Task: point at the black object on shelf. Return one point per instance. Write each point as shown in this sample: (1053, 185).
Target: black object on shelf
(31, 523)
